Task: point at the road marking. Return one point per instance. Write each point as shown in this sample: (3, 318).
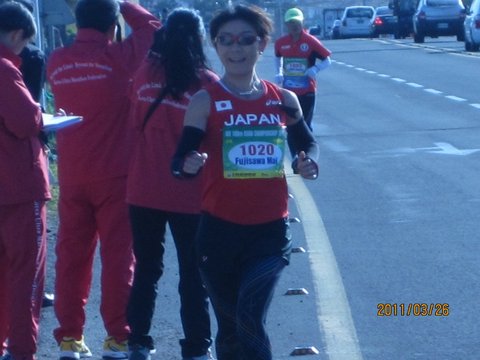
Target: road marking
(440, 148)
(333, 311)
(455, 98)
(415, 85)
(433, 91)
(449, 149)
(411, 84)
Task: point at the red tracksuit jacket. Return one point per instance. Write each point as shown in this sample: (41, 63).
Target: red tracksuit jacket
(150, 183)
(23, 168)
(82, 82)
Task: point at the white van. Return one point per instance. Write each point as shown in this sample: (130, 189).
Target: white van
(356, 20)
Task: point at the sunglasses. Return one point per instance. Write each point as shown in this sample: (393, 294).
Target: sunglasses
(242, 39)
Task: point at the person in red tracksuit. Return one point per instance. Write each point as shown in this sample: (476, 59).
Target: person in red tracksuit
(174, 70)
(91, 78)
(24, 190)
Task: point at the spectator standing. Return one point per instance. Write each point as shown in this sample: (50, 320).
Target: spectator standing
(24, 189)
(243, 242)
(296, 56)
(33, 61)
(91, 78)
(33, 72)
(174, 70)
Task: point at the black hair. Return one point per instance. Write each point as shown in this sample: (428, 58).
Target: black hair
(251, 14)
(179, 50)
(96, 14)
(27, 3)
(15, 16)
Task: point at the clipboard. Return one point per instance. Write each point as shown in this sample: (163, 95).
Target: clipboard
(55, 123)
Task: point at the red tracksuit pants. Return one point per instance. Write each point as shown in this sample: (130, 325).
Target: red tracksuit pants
(92, 213)
(22, 274)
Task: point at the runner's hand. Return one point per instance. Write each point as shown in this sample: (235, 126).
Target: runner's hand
(60, 112)
(194, 161)
(306, 167)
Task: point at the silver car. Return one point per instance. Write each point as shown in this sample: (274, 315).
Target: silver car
(438, 18)
(355, 21)
(472, 27)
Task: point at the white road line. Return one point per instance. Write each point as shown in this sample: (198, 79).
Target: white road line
(433, 91)
(415, 85)
(333, 311)
(455, 98)
(350, 66)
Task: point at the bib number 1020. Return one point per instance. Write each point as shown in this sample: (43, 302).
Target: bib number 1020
(257, 149)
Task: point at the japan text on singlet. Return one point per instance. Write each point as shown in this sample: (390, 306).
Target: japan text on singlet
(244, 176)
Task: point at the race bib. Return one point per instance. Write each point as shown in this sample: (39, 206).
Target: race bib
(294, 73)
(251, 152)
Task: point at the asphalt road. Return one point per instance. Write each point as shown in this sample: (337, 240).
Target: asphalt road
(398, 125)
(392, 219)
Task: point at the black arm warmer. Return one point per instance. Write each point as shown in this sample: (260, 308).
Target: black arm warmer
(302, 139)
(290, 111)
(190, 141)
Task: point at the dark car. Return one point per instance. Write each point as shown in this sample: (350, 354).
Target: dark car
(438, 18)
(315, 31)
(384, 22)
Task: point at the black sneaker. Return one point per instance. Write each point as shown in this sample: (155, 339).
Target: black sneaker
(138, 352)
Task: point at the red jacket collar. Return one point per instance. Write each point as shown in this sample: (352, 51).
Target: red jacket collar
(10, 55)
(91, 35)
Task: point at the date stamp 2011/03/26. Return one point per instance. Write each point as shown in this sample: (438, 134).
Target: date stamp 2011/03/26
(413, 309)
